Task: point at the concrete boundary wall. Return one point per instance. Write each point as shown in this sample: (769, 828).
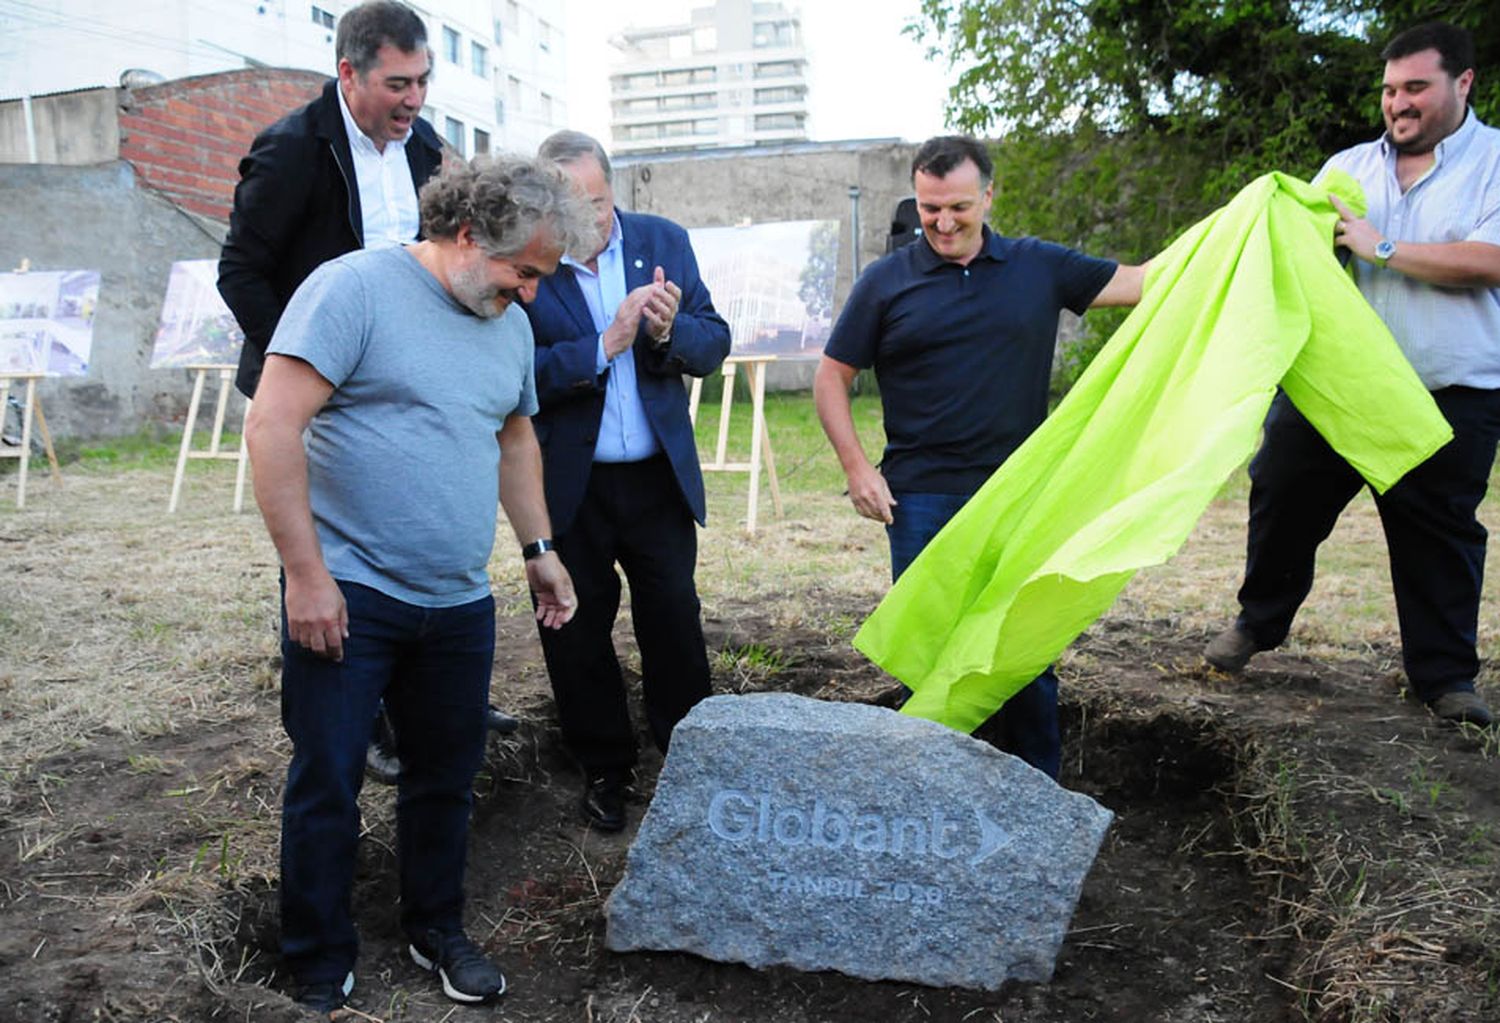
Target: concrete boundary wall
(100, 218)
(103, 217)
(801, 181)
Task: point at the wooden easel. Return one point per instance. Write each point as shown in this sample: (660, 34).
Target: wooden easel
(31, 405)
(185, 451)
(760, 438)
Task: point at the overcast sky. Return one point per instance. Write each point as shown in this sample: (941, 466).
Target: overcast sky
(867, 79)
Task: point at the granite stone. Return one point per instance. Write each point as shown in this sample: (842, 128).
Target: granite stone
(836, 836)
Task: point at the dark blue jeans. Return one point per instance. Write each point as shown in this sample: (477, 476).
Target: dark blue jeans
(432, 666)
(1298, 488)
(1026, 726)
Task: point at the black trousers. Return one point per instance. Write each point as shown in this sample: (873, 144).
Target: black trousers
(1298, 488)
(632, 515)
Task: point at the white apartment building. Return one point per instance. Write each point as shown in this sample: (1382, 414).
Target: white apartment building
(499, 65)
(531, 86)
(735, 74)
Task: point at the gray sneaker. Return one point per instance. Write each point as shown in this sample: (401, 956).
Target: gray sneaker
(1462, 707)
(1231, 650)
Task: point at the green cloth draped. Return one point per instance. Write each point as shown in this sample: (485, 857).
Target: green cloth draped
(1115, 478)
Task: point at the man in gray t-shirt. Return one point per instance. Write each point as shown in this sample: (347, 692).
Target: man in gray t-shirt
(409, 370)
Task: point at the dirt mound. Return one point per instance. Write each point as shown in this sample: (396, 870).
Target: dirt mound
(1296, 842)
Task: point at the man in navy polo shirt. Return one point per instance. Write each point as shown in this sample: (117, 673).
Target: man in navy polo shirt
(960, 327)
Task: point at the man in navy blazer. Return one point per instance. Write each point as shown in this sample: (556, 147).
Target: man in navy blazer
(614, 336)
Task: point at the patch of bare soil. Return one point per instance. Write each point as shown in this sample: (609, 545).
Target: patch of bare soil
(1298, 842)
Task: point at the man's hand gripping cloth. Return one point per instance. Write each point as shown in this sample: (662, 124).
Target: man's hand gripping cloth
(1114, 480)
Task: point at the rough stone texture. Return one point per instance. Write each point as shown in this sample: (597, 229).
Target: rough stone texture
(791, 831)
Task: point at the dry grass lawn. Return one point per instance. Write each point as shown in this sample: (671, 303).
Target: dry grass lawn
(121, 625)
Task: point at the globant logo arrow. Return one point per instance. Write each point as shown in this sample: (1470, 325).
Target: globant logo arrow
(992, 838)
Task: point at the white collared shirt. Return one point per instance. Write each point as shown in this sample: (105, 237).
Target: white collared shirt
(387, 196)
(1451, 336)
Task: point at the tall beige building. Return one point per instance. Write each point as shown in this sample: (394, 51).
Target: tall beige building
(734, 75)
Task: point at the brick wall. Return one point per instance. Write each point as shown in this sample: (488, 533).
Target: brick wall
(185, 137)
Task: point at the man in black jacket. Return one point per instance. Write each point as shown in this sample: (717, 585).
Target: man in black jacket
(313, 184)
(339, 174)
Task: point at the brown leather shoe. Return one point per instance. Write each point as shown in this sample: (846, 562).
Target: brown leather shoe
(1231, 650)
(1462, 707)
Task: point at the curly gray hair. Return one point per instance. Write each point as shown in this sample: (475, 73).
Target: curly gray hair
(505, 199)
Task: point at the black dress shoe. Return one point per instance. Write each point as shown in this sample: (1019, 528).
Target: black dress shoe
(1462, 707)
(604, 801)
(499, 722)
(382, 764)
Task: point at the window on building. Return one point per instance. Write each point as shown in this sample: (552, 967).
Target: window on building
(322, 17)
(688, 76)
(635, 82)
(481, 142)
(688, 101)
(543, 36)
(499, 110)
(780, 94)
(479, 59)
(512, 14)
(778, 122)
(776, 69)
(450, 45)
(499, 32)
(453, 131)
(513, 90)
(775, 33)
(545, 101)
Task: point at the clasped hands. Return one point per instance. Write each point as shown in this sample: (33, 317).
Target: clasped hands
(652, 305)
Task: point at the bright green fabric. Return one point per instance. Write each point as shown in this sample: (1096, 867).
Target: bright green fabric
(1116, 477)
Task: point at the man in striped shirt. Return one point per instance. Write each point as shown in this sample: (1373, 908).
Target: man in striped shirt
(1427, 257)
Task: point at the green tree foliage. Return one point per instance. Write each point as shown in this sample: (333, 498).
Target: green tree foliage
(1122, 122)
(815, 286)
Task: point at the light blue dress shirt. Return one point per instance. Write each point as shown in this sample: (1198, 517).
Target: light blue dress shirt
(624, 431)
(1450, 335)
